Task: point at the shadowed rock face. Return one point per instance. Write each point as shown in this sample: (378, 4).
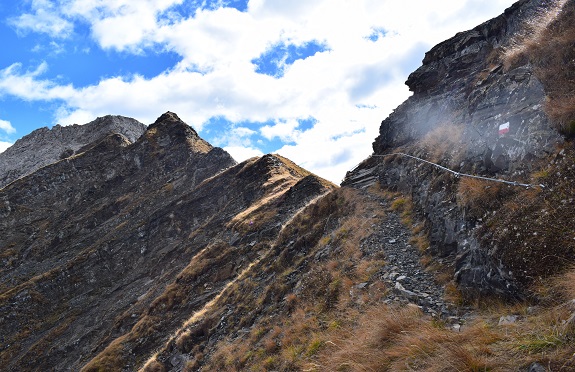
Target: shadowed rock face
(46, 146)
(90, 242)
(463, 87)
(462, 82)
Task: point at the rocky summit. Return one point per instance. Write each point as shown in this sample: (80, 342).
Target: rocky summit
(126, 247)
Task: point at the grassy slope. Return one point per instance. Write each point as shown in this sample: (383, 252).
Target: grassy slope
(321, 324)
(220, 262)
(535, 228)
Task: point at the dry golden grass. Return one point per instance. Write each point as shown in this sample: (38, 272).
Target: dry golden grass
(479, 197)
(452, 293)
(565, 285)
(326, 297)
(392, 339)
(443, 144)
(420, 241)
(153, 366)
(547, 43)
(111, 360)
(404, 339)
(533, 36)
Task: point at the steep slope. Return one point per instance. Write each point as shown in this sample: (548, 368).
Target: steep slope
(163, 254)
(475, 113)
(252, 200)
(92, 240)
(326, 266)
(82, 242)
(46, 146)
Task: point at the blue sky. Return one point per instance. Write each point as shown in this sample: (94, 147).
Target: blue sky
(309, 79)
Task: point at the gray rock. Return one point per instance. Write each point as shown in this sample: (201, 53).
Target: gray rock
(103, 234)
(393, 275)
(401, 291)
(536, 367)
(46, 146)
(508, 320)
(460, 82)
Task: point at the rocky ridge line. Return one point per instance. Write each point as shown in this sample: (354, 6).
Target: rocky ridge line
(46, 146)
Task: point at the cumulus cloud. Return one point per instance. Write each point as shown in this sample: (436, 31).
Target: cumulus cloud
(7, 127)
(28, 85)
(284, 130)
(241, 153)
(342, 63)
(235, 138)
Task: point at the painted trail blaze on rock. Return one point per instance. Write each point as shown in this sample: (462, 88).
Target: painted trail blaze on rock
(504, 128)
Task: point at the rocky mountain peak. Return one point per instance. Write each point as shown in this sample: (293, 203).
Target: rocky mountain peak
(45, 146)
(159, 252)
(457, 59)
(169, 130)
(111, 228)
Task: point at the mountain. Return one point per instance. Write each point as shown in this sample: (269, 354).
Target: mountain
(133, 248)
(45, 146)
(93, 240)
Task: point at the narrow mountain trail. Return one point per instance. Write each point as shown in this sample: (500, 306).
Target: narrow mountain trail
(404, 273)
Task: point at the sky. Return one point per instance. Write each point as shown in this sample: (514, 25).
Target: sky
(308, 79)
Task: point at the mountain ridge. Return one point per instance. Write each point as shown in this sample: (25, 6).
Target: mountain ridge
(98, 217)
(45, 146)
(162, 253)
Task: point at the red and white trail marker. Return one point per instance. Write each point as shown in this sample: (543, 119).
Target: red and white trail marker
(504, 128)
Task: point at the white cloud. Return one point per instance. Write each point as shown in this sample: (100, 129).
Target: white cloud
(7, 127)
(284, 130)
(122, 24)
(240, 153)
(26, 85)
(45, 18)
(348, 89)
(4, 146)
(235, 137)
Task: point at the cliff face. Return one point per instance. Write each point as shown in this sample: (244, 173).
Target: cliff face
(463, 82)
(93, 241)
(462, 96)
(46, 146)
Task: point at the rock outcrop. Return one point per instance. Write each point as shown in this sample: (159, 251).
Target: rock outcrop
(46, 146)
(463, 96)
